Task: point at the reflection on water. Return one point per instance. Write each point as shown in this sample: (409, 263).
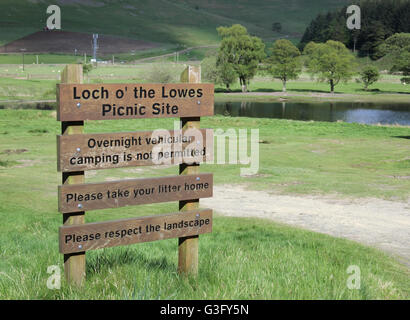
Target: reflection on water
(368, 113)
(359, 112)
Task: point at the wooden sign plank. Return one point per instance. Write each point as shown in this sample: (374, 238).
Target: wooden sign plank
(115, 194)
(114, 150)
(90, 236)
(132, 101)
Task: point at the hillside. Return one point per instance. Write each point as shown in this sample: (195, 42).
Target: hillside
(184, 22)
(67, 42)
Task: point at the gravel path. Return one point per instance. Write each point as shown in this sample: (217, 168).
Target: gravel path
(379, 223)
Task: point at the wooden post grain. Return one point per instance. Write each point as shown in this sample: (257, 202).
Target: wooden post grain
(188, 246)
(74, 264)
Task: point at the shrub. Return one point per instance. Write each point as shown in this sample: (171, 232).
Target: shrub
(369, 75)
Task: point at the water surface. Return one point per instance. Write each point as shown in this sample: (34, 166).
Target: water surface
(363, 112)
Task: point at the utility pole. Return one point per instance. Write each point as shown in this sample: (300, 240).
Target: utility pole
(95, 47)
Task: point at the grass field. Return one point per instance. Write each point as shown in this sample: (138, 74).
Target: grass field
(38, 82)
(385, 86)
(189, 22)
(12, 89)
(242, 258)
(40, 58)
(55, 58)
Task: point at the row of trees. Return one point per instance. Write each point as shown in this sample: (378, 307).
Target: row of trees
(240, 55)
(380, 19)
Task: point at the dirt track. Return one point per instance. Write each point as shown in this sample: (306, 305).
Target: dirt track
(379, 223)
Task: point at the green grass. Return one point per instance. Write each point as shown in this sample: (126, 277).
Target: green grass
(242, 258)
(50, 58)
(189, 23)
(135, 73)
(14, 89)
(194, 55)
(141, 54)
(32, 83)
(348, 163)
(42, 59)
(30, 60)
(7, 163)
(384, 86)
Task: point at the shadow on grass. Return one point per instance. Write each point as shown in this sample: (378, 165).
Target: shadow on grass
(378, 91)
(29, 105)
(312, 90)
(106, 260)
(402, 137)
(356, 91)
(268, 90)
(219, 90)
(265, 90)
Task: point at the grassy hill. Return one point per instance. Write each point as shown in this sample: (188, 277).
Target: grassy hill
(185, 22)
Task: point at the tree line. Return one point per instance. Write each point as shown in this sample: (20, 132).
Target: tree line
(241, 55)
(380, 19)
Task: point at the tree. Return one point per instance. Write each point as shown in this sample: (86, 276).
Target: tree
(369, 75)
(331, 62)
(402, 62)
(379, 20)
(87, 67)
(220, 74)
(284, 61)
(371, 37)
(398, 47)
(398, 41)
(241, 52)
(226, 75)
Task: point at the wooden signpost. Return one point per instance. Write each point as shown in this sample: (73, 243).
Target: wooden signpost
(78, 152)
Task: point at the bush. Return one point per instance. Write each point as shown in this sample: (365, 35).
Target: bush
(163, 73)
(87, 67)
(369, 75)
(405, 80)
(209, 70)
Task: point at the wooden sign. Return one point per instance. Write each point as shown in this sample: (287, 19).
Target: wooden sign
(116, 194)
(81, 152)
(77, 102)
(90, 236)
